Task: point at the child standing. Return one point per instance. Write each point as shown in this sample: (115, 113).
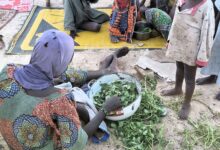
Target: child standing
(213, 67)
(189, 44)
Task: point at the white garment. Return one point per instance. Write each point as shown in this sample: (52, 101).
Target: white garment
(191, 34)
(217, 4)
(81, 97)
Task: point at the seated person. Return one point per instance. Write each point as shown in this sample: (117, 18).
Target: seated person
(158, 20)
(213, 67)
(36, 115)
(122, 20)
(80, 15)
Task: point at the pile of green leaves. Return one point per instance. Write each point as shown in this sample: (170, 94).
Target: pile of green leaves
(125, 90)
(204, 134)
(141, 132)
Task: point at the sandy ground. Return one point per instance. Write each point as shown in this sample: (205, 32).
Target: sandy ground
(203, 99)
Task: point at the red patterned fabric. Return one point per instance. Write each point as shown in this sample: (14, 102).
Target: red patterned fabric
(121, 7)
(10, 71)
(122, 4)
(62, 106)
(7, 133)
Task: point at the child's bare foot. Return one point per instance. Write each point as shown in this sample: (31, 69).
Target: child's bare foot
(172, 92)
(207, 80)
(121, 52)
(184, 112)
(218, 96)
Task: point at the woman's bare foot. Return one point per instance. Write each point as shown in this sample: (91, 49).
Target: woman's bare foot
(114, 65)
(172, 92)
(184, 112)
(114, 39)
(121, 52)
(218, 96)
(108, 60)
(207, 80)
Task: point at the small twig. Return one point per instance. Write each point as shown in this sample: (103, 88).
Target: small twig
(210, 109)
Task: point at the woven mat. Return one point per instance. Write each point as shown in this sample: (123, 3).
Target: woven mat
(6, 16)
(41, 19)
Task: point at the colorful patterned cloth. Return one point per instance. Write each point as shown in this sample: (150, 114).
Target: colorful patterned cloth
(160, 20)
(123, 19)
(28, 122)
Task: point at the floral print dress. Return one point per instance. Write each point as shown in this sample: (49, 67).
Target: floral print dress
(28, 122)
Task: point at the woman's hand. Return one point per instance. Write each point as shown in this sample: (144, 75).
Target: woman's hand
(111, 104)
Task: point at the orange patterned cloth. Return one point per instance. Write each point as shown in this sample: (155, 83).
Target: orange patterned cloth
(123, 19)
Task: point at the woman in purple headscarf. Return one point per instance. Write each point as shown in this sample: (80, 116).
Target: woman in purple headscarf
(36, 115)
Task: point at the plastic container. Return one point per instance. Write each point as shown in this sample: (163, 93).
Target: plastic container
(140, 31)
(128, 110)
(154, 33)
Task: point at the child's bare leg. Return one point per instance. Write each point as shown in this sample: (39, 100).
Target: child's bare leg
(190, 77)
(179, 81)
(207, 80)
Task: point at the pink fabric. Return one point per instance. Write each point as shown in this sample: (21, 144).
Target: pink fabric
(201, 64)
(20, 5)
(195, 8)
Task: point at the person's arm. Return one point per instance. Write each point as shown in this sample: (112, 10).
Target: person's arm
(98, 73)
(110, 104)
(79, 77)
(172, 11)
(206, 37)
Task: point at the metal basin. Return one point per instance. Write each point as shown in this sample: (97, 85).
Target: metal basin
(142, 31)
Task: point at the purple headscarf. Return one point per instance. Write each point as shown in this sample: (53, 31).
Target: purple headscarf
(51, 55)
